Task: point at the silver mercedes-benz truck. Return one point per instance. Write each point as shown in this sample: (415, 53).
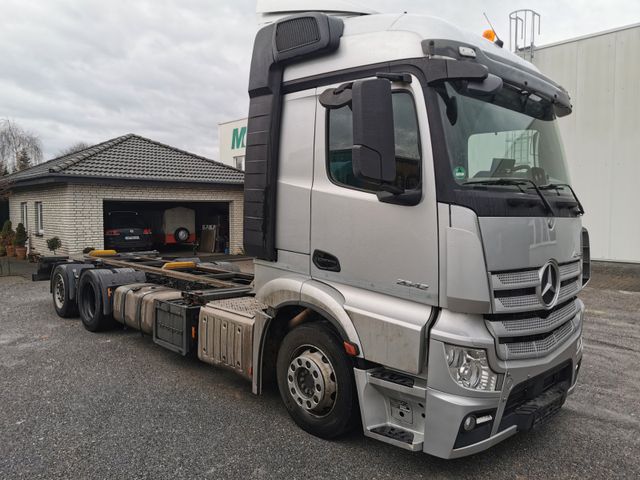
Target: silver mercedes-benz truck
(419, 245)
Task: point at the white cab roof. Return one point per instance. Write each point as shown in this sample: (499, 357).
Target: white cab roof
(380, 38)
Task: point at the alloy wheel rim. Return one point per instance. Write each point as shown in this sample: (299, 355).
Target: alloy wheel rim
(311, 381)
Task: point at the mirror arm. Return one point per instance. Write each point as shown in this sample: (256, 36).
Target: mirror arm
(392, 189)
(410, 198)
(395, 77)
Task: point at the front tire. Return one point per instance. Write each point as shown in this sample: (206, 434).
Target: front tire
(315, 379)
(60, 288)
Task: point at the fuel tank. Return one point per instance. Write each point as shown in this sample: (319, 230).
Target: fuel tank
(133, 305)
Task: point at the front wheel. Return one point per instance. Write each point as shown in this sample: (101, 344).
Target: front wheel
(315, 379)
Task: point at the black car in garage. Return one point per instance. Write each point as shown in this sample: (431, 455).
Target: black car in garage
(126, 230)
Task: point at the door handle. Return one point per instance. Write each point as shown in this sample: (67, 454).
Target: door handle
(326, 261)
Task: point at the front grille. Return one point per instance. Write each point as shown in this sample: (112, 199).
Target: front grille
(521, 324)
(517, 277)
(538, 347)
(532, 323)
(516, 291)
(570, 269)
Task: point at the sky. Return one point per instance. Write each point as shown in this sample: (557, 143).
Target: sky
(171, 70)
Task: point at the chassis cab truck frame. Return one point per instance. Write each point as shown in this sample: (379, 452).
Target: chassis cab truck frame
(418, 244)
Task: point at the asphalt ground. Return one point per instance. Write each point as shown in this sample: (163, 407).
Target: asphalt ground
(114, 405)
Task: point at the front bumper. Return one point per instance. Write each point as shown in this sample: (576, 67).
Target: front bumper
(519, 408)
(432, 411)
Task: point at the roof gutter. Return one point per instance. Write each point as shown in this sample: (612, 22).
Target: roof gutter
(54, 179)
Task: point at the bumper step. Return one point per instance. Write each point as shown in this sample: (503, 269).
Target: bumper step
(397, 436)
(394, 433)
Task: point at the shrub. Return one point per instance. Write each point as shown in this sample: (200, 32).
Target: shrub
(20, 238)
(7, 234)
(54, 244)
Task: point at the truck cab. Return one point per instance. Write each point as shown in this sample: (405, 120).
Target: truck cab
(407, 195)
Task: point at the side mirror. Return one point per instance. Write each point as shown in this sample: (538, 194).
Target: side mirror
(374, 157)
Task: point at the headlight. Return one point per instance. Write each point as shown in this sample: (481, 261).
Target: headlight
(469, 368)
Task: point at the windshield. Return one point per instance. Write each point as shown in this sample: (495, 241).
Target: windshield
(124, 220)
(508, 135)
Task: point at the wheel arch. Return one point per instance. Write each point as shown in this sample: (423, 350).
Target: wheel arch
(298, 302)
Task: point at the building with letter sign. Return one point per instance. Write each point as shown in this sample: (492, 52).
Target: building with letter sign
(232, 138)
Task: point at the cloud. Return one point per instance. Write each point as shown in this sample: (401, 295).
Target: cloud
(173, 69)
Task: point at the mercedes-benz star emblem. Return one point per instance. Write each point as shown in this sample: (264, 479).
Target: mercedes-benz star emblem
(549, 287)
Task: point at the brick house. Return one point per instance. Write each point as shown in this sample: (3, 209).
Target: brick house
(69, 196)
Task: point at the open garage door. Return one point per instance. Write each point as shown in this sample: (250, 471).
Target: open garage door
(166, 225)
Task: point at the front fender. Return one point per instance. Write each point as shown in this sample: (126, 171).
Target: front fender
(299, 290)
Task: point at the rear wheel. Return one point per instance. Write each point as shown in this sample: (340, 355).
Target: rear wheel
(90, 305)
(65, 307)
(181, 235)
(315, 379)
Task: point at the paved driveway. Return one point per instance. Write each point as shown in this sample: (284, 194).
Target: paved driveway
(114, 405)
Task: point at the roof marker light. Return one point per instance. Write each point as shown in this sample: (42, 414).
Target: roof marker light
(489, 35)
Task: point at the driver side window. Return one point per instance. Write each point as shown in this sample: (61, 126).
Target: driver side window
(407, 142)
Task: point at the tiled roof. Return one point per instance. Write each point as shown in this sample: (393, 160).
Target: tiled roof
(132, 157)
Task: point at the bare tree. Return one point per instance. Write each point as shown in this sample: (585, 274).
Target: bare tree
(13, 140)
(76, 147)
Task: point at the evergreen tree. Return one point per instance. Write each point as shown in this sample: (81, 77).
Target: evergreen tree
(22, 160)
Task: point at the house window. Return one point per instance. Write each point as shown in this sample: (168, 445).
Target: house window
(239, 161)
(39, 219)
(23, 216)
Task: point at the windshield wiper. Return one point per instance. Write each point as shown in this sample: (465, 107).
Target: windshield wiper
(517, 183)
(558, 186)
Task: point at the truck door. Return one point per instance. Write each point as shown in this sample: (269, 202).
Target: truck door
(358, 240)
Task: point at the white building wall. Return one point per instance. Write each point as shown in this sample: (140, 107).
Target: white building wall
(232, 140)
(75, 212)
(602, 136)
(58, 215)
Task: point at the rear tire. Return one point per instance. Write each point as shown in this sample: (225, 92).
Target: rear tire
(181, 235)
(90, 303)
(60, 288)
(315, 379)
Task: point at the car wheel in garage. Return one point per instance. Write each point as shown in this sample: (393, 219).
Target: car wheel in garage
(181, 235)
(65, 307)
(90, 305)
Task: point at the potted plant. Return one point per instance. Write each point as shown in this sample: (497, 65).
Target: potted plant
(7, 238)
(19, 242)
(54, 244)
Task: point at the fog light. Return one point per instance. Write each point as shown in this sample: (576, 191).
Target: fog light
(469, 423)
(469, 368)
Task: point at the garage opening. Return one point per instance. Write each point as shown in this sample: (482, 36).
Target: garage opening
(4, 211)
(166, 226)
